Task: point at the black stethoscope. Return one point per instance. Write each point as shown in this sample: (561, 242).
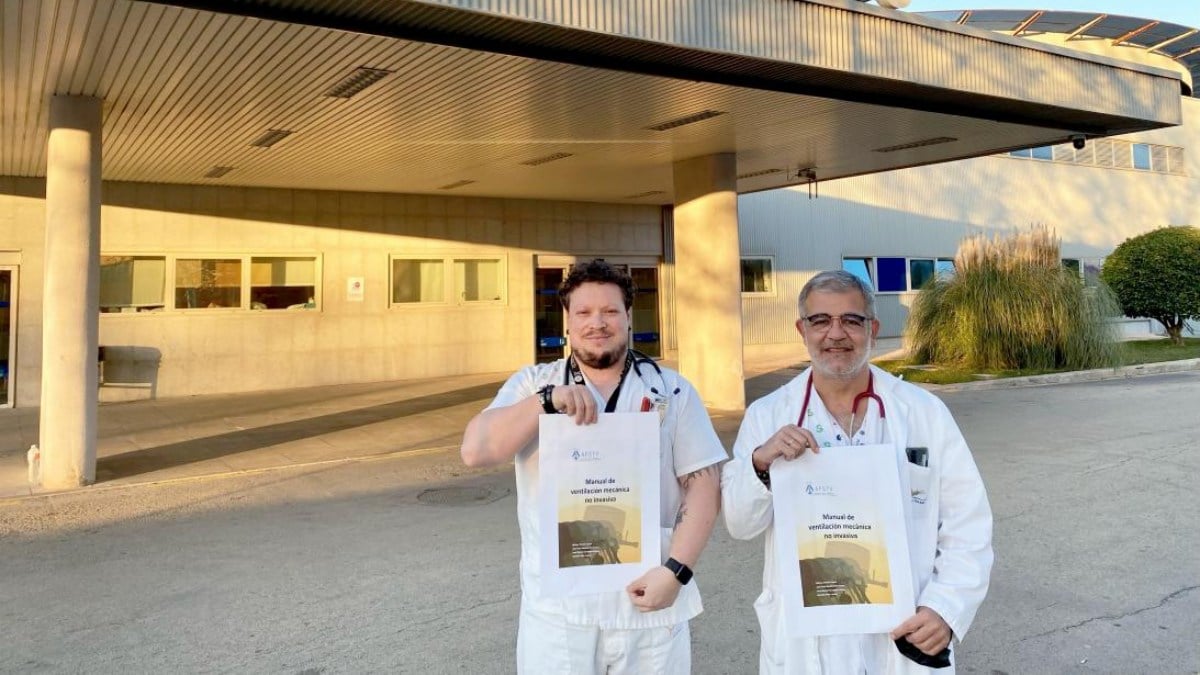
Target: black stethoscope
(869, 395)
(634, 360)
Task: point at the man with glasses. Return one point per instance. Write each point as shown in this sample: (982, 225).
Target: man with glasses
(841, 400)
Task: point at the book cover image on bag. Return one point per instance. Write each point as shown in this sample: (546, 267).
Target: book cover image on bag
(599, 534)
(851, 569)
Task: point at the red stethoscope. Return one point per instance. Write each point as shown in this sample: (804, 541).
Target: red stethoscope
(869, 394)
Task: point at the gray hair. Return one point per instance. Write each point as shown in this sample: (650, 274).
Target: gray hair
(838, 281)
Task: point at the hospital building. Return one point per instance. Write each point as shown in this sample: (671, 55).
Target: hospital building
(204, 196)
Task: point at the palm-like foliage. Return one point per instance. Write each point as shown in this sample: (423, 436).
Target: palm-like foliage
(1011, 305)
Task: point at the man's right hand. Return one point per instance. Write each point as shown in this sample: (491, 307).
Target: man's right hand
(577, 401)
(789, 443)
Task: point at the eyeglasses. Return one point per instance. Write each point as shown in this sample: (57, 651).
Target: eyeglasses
(850, 322)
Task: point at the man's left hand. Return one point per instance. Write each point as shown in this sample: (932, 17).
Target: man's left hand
(926, 630)
(653, 590)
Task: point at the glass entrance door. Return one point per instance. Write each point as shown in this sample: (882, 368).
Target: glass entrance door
(8, 345)
(548, 315)
(646, 336)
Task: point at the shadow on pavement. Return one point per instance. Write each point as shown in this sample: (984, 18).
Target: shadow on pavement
(195, 450)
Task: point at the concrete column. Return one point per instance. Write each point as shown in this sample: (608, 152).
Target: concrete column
(708, 290)
(70, 307)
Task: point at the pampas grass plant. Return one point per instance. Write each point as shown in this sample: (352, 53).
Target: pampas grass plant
(1010, 305)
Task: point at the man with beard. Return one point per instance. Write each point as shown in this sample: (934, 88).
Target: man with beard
(843, 401)
(643, 629)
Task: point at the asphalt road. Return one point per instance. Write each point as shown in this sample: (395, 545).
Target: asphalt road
(410, 565)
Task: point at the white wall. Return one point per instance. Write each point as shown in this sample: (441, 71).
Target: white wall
(926, 211)
(227, 350)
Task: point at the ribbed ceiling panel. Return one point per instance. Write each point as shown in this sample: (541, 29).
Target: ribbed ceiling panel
(187, 90)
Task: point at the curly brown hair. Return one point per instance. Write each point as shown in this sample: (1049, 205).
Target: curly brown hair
(600, 272)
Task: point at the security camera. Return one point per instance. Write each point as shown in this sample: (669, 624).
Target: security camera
(1078, 140)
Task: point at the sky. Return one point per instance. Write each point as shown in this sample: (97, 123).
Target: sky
(1184, 12)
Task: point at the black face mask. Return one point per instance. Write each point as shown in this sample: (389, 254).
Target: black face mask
(939, 660)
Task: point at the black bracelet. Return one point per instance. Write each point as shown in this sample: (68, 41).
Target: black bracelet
(764, 476)
(546, 394)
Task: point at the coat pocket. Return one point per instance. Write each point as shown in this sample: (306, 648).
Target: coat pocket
(770, 623)
(919, 481)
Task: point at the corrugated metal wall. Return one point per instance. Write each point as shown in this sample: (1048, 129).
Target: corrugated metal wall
(892, 45)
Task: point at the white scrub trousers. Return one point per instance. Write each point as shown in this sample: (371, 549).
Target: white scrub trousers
(548, 645)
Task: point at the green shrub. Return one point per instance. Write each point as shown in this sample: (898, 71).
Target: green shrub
(1157, 274)
(1011, 305)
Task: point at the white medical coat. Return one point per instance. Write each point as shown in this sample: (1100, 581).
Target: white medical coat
(949, 519)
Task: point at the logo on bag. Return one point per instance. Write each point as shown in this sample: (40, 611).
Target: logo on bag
(819, 490)
(585, 455)
(918, 496)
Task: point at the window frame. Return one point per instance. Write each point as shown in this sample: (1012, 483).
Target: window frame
(449, 280)
(245, 259)
(501, 273)
(772, 278)
(872, 265)
(1133, 156)
(167, 300)
(316, 296)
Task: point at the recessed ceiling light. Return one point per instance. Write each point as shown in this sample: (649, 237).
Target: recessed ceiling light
(538, 161)
(690, 119)
(456, 184)
(649, 193)
(357, 81)
(764, 172)
(916, 144)
(271, 137)
(218, 171)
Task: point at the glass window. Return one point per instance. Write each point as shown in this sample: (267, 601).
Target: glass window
(283, 283)
(1024, 152)
(859, 267)
(944, 268)
(132, 283)
(893, 275)
(203, 283)
(920, 271)
(478, 280)
(757, 275)
(1044, 152)
(1141, 156)
(418, 281)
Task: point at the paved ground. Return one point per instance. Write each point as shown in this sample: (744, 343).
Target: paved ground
(406, 562)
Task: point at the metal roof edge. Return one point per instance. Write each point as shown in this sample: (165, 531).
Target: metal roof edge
(993, 36)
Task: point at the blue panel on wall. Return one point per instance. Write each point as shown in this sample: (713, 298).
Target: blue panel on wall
(893, 274)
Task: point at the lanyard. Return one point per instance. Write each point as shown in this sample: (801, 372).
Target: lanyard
(869, 394)
(577, 376)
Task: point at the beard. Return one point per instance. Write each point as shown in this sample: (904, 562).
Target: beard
(842, 371)
(600, 360)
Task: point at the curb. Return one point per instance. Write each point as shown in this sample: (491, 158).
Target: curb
(1122, 373)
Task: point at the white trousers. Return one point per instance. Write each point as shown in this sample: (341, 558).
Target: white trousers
(548, 645)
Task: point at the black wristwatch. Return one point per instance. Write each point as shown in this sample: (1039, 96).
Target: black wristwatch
(683, 573)
(546, 394)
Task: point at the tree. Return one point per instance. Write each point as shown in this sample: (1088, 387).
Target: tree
(1157, 275)
(1011, 305)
